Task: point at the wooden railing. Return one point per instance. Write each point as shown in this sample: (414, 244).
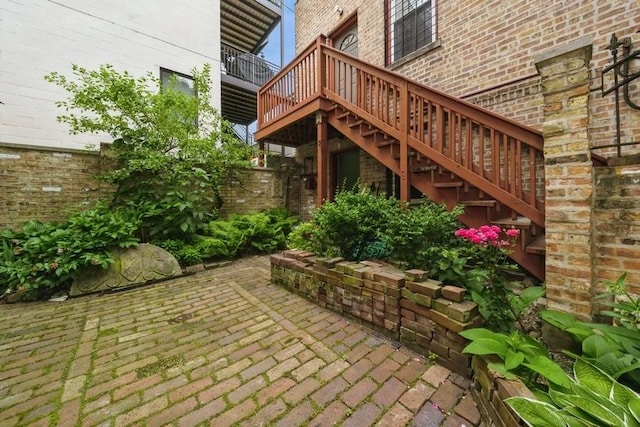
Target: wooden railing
(500, 156)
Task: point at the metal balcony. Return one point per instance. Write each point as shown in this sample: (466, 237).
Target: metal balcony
(245, 27)
(246, 24)
(242, 74)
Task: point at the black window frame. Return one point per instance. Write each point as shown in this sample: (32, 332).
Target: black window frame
(170, 73)
(410, 27)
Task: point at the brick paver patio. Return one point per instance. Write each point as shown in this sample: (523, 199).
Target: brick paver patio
(220, 348)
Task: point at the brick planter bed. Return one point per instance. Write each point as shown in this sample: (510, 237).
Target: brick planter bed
(423, 314)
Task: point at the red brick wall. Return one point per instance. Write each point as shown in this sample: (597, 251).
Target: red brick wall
(485, 50)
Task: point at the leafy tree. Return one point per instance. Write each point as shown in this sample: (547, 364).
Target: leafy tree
(171, 151)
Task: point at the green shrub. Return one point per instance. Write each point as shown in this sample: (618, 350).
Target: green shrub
(358, 225)
(47, 256)
(170, 152)
(350, 224)
(308, 236)
(417, 236)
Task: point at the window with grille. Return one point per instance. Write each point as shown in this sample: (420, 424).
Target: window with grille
(411, 24)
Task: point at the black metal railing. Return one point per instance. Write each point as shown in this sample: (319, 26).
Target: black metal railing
(620, 74)
(247, 66)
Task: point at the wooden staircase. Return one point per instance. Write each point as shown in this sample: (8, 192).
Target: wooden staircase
(452, 151)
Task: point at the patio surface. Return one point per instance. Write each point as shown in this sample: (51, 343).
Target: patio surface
(221, 348)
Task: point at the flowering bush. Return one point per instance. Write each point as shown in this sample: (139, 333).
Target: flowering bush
(497, 303)
(489, 235)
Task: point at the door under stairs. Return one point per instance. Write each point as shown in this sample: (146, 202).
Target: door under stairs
(452, 151)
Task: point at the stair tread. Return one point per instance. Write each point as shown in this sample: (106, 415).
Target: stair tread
(538, 246)
(424, 169)
(371, 132)
(386, 142)
(356, 123)
(452, 184)
(489, 203)
(521, 222)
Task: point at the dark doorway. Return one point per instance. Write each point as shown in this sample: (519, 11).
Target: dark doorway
(393, 187)
(346, 169)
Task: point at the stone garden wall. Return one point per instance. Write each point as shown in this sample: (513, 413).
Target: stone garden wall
(423, 314)
(489, 392)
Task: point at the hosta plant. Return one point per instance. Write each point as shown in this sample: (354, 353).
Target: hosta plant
(520, 356)
(592, 399)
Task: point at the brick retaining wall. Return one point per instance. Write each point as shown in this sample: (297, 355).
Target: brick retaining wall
(422, 313)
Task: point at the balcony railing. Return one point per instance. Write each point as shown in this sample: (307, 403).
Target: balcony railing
(247, 66)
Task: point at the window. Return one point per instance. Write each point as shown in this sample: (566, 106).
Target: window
(410, 26)
(183, 82)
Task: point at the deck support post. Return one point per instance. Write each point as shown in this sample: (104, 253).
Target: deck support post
(405, 181)
(323, 158)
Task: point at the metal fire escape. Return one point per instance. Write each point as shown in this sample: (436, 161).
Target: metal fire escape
(245, 26)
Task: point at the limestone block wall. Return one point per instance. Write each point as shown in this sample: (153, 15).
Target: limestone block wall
(421, 313)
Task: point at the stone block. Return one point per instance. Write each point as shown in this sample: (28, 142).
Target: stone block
(453, 293)
(460, 358)
(462, 311)
(419, 299)
(450, 324)
(416, 275)
(276, 259)
(440, 304)
(430, 288)
(352, 281)
(328, 262)
(439, 349)
(391, 280)
(417, 327)
(418, 309)
(133, 266)
(407, 314)
(509, 388)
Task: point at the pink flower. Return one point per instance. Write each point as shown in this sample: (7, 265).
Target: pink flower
(512, 232)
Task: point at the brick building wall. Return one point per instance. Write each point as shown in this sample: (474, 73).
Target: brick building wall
(484, 50)
(48, 184)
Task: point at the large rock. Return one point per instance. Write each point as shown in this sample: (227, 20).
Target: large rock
(134, 266)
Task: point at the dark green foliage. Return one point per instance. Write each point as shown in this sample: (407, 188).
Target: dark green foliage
(418, 236)
(48, 255)
(309, 236)
(614, 349)
(519, 355)
(592, 399)
(353, 221)
(257, 233)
